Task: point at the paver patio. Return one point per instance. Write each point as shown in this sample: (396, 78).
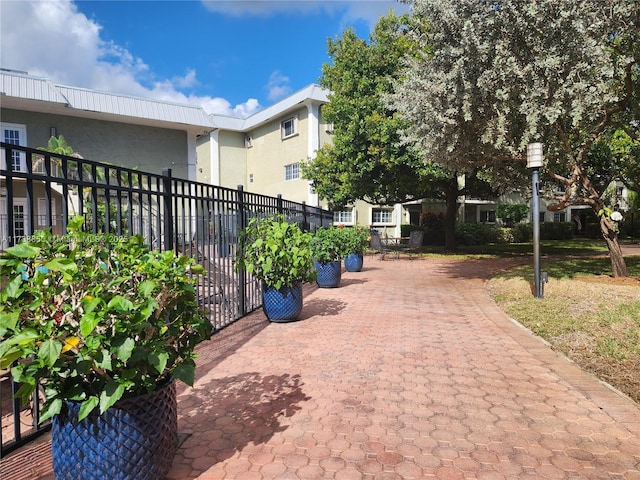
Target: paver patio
(407, 370)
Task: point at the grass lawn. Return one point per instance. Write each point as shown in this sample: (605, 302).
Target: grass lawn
(588, 316)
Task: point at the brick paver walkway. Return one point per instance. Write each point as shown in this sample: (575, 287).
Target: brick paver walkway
(407, 370)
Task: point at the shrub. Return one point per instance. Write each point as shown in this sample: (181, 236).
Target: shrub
(476, 234)
(522, 232)
(354, 239)
(511, 214)
(95, 318)
(277, 252)
(556, 231)
(327, 245)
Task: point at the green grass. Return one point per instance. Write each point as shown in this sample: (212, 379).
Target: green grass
(574, 247)
(588, 316)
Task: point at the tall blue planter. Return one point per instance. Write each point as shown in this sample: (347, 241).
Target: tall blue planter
(282, 305)
(329, 274)
(353, 262)
(136, 439)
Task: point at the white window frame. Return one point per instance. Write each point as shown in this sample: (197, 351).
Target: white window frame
(344, 217)
(20, 157)
(286, 131)
(560, 216)
(384, 212)
(292, 172)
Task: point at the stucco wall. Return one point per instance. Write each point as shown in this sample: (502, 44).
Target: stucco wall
(233, 168)
(146, 148)
(269, 154)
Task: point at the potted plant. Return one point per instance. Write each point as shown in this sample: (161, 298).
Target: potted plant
(103, 325)
(277, 253)
(327, 248)
(355, 241)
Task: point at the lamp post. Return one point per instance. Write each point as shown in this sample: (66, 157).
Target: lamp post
(534, 161)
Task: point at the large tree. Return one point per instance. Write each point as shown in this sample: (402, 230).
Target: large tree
(502, 74)
(367, 160)
(364, 160)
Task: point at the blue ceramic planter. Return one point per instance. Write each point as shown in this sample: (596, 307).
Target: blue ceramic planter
(329, 274)
(136, 439)
(282, 305)
(353, 262)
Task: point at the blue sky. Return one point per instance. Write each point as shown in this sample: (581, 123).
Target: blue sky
(231, 57)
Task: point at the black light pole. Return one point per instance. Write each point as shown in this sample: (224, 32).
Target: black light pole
(534, 161)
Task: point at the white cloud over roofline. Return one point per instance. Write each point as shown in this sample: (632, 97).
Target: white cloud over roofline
(68, 49)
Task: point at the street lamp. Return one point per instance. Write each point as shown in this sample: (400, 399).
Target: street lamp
(534, 161)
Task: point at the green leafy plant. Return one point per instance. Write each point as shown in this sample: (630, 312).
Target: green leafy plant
(276, 252)
(327, 245)
(511, 214)
(354, 239)
(95, 318)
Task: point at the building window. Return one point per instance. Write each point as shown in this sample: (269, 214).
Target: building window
(344, 217)
(292, 171)
(382, 216)
(15, 135)
(288, 127)
(488, 216)
(559, 217)
(18, 222)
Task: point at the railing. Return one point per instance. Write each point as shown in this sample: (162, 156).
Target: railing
(193, 218)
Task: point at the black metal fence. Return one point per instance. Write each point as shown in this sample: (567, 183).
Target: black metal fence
(41, 190)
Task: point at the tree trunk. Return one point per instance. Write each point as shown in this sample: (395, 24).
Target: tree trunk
(618, 265)
(451, 198)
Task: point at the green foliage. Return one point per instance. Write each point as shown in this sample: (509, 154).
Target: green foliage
(354, 239)
(432, 219)
(95, 318)
(277, 252)
(512, 213)
(476, 234)
(58, 145)
(522, 232)
(328, 244)
(367, 158)
(556, 231)
(505, 74)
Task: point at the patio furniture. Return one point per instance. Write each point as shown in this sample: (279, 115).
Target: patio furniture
(377, 245)
(414, 243)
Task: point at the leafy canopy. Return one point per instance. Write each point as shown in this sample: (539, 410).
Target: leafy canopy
(366, 159)
(505, 74)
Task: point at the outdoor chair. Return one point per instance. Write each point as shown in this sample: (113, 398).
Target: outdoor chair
(377, 245)
(414, 243)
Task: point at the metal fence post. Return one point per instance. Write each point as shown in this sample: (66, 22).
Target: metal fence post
(241, 224)
(168, 214)
(279, 204)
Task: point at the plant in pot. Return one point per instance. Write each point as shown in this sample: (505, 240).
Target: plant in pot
(277, 253)
(327, 248)
(104, 325)
(355, 241)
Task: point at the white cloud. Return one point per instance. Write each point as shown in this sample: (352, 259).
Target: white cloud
(64, 45)
(367, 10)
(278, 86)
